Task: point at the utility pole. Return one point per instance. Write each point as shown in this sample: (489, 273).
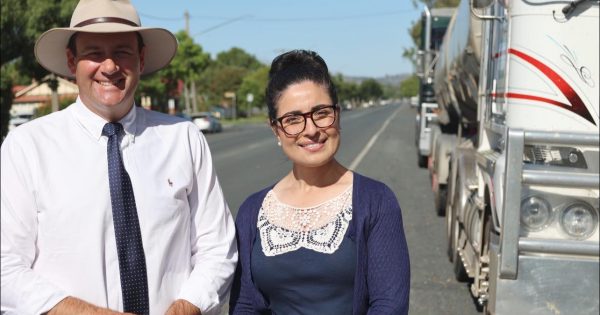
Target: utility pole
(186, 90)
(186, 15)
(53, 84)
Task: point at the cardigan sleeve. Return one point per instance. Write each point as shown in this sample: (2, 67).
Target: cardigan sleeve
(245, 297)
(388, 273)
(240, 301)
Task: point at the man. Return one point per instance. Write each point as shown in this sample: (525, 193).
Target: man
(107, 207)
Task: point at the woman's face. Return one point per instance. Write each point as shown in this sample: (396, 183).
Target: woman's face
(314, 146)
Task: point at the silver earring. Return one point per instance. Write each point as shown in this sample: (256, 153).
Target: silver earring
(278, 143)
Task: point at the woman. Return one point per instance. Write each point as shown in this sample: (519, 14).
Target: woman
(324, 239)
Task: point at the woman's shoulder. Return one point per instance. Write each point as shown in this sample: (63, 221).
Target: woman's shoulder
(251, 205)
(373, 197)
(370, 185)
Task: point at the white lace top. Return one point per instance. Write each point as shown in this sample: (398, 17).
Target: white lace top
(321, 228)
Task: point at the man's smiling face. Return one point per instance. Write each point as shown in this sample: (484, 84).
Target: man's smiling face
(107, 69)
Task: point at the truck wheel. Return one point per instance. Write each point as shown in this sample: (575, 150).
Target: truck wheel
(487, 230)
(459, 268)
(460, 274)
(440, 199)
(422, 160)
(450, 246)
(451, 230)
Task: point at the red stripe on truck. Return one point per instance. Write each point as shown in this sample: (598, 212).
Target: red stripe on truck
(577, 105)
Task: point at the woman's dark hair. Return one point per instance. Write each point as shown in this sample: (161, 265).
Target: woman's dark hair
(294, 67)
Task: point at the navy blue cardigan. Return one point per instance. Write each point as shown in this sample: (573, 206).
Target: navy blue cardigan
(382, 279)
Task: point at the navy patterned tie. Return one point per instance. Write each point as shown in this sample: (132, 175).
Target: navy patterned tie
(132, 263)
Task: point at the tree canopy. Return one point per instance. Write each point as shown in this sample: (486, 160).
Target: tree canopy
(22, 22)
(185, 67)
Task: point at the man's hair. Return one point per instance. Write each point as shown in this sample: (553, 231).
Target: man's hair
(73, 47)
(294, 67)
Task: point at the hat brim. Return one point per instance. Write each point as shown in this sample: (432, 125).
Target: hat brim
(50, 48)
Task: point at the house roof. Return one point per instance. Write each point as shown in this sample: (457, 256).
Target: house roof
(17, 88)
(39, 91)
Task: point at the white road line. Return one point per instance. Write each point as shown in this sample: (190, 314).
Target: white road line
(245, 148)
(366, 149)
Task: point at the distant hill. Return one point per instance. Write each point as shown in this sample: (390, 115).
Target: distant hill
(393, 80)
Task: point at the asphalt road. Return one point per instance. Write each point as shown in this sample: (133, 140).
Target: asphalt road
(377, 142)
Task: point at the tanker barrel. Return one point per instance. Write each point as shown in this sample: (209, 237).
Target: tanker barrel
(456, 75)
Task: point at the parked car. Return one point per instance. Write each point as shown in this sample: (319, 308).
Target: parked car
(183, 115)
(207, 122)
(414, 101)
(18, 120)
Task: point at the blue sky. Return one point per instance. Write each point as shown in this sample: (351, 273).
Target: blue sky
(355, 37)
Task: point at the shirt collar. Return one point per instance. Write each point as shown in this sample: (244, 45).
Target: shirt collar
(93, 123)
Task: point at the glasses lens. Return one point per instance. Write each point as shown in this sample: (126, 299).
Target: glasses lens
(293, 124)
(324, 117)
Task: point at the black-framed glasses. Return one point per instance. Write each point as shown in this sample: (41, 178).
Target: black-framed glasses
(322, 116)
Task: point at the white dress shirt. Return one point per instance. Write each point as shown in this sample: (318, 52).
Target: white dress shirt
(57, 229)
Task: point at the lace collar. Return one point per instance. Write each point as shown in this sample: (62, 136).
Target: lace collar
(321, 228)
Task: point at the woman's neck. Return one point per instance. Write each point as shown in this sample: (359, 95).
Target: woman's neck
(307, 178)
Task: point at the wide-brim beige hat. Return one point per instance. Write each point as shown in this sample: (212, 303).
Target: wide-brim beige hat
(104, 16)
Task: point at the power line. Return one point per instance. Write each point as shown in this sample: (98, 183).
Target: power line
(221, 24)
(333, 18)
(179, 18)
(159, 17)
(280, 19)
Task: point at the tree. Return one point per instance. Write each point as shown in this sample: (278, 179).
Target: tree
(159, 88)
(346, 91)
(237, 57)
(21, 23)
(391, 91)
(370, 89)
(227, 73)
(187, 65)
(409, 86)
(254, 83)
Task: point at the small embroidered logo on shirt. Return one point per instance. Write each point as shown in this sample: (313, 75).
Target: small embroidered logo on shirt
(170, 182)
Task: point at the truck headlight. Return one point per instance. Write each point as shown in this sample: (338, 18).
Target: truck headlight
(579, 220)
(535, 213)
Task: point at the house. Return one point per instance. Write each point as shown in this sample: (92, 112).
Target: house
(28, 99)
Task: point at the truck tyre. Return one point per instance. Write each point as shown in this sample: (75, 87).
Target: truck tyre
(451, 228)
(449, 234)
(485, 251)
(422, 160)
(459, 268)
(440, 200)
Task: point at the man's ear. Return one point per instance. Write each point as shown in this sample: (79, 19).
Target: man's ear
(71, 63)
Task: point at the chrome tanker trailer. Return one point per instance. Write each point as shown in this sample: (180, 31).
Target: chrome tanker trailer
(455, 84)
(517, 145)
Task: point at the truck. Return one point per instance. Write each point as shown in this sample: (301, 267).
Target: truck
(516, 140)
(433, 24)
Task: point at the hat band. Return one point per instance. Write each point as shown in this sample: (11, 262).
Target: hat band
(105, 20)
